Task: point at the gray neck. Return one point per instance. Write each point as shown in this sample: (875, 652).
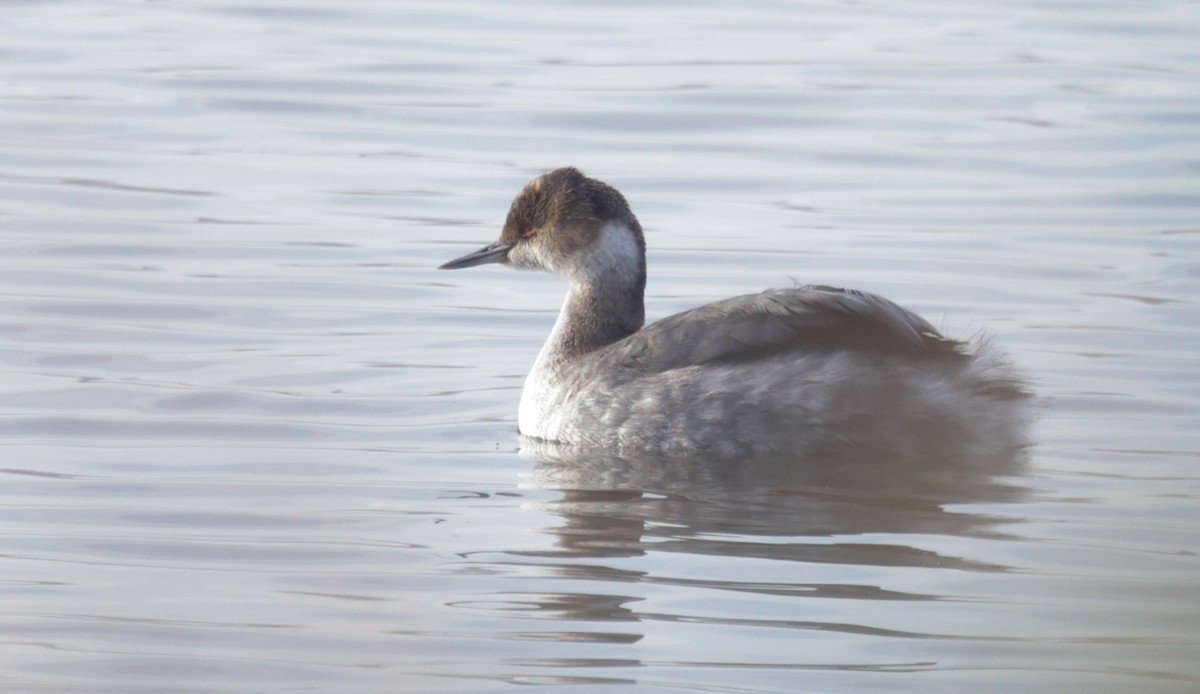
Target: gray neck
(605, 301)
(594, 316)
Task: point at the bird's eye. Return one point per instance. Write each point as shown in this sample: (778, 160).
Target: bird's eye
(529, 232)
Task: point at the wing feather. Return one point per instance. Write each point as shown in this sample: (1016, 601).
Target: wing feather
(778, 320)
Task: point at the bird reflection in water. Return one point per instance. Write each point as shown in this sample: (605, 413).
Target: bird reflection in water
(625, 505)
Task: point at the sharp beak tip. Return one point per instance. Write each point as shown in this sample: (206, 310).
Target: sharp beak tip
(495, 253)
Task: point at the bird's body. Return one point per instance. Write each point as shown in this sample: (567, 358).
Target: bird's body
(806, 370)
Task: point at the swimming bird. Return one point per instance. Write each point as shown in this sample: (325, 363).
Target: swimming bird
(805, 370)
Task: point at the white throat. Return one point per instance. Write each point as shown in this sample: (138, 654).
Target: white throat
(543, 383)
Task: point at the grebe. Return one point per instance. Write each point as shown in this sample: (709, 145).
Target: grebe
(810, 370)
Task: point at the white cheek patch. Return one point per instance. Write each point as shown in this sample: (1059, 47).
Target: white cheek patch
(527, 256)
(616, 251)
(542, 258)
(614, 254)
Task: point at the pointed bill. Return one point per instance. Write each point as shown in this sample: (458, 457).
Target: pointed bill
(492, 253)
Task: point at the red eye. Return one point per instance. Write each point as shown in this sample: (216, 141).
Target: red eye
(528, 232)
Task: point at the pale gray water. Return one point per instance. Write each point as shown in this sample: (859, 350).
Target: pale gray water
(253, 442)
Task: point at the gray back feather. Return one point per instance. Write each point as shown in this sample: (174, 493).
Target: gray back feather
(754, 326)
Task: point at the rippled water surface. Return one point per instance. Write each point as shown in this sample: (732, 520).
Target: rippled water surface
(250, 441)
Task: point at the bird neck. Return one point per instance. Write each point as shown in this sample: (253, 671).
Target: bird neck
(596, 315)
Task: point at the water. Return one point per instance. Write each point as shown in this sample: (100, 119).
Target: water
(251, 441)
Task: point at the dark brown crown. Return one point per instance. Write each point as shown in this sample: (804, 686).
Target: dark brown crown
(565, 199)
